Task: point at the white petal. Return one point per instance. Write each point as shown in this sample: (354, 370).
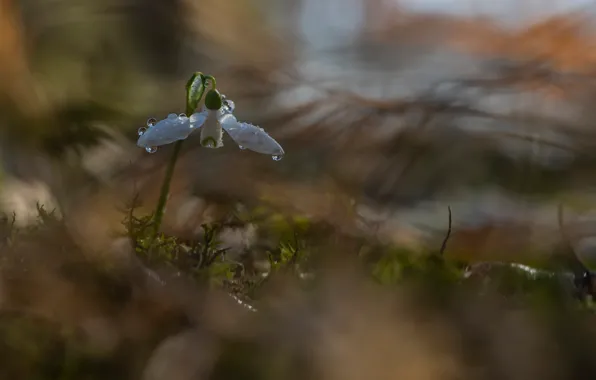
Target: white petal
(198, 119)
(250, 136)
(171, 129)
(211, 133)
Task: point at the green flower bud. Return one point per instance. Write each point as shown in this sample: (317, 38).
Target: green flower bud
(194, 91)
(213, 100)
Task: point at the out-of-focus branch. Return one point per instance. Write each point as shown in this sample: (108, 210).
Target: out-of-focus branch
(14, 72)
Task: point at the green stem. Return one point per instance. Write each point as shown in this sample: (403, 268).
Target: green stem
(212, 79)
(165, 186)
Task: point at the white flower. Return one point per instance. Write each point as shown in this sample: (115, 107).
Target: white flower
(213, 123)
(171, 129)
(211, 134)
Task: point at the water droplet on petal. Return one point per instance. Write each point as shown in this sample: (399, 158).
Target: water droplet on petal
(172, 116)
(277, 157)
(151, 149)
(227, 105)
(241, 147)
(151, 122)
(142, 130)
(182, 115)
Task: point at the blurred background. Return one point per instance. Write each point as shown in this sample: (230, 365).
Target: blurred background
(389, 111)
(399, 107)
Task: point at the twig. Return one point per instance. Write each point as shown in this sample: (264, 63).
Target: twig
(583, 276)
(567, 241)
(133, 205)
(215, 255)
(444, 245)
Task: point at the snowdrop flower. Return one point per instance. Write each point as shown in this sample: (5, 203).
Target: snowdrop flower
(211, 134)
(215, 117)
(171, 129)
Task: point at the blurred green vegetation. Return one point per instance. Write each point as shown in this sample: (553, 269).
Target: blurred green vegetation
(35, 347)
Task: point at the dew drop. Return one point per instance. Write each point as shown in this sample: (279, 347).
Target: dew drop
(151, 149)
(182, 115)
(277, 157)
(172, 116)
(142, 131)
(227, 105)
(151, 122)
(241, 147)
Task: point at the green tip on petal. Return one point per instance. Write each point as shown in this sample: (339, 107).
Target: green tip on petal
(209, 142)
(213, 100)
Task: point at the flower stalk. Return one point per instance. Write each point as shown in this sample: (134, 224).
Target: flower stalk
(195, 88)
